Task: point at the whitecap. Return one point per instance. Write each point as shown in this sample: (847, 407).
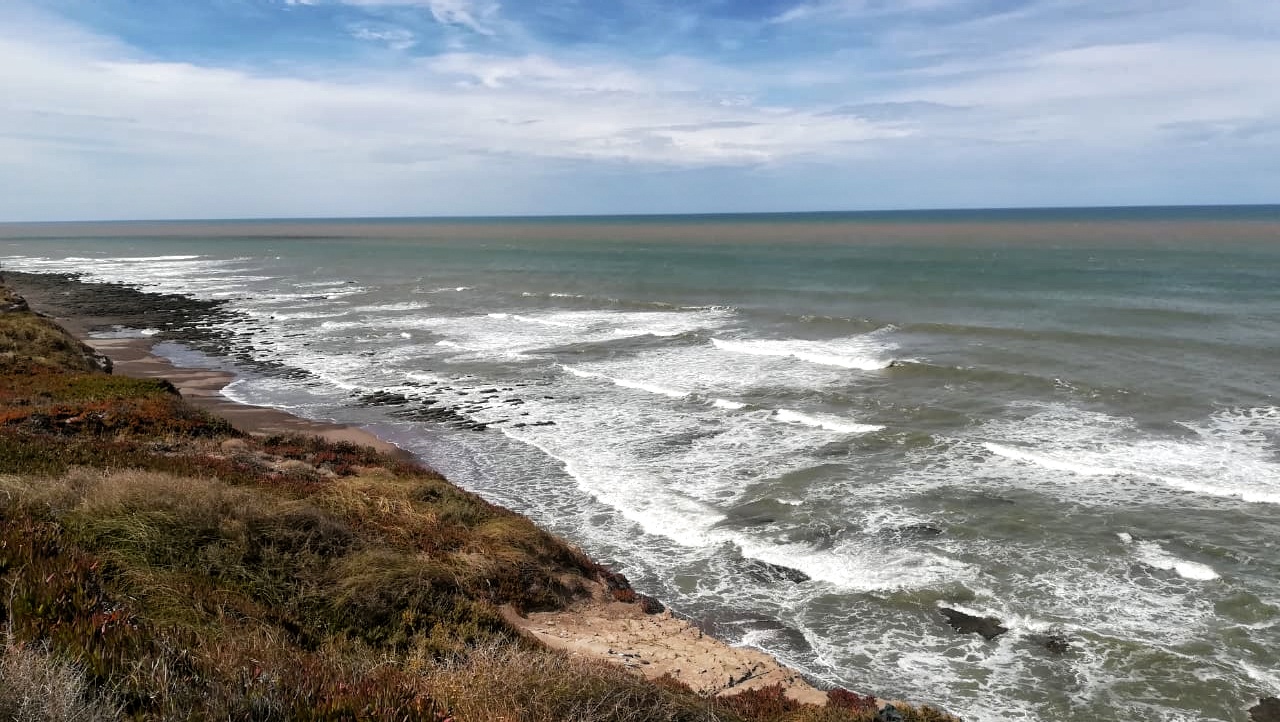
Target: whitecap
(824, 422)
(1154, 555)
(863, 355)
(629, 383)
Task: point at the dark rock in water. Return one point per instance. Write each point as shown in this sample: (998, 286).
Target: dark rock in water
(384, 398)
(649, 605)
(1266, 710)
(543, 423)
(1056, 643)
(773, 573)
(913, 531)
(889, 713)
(988, 627)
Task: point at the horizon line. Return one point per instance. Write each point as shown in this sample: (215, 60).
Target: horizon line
(649, 215)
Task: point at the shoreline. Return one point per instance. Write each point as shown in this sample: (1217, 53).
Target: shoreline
(600, 629)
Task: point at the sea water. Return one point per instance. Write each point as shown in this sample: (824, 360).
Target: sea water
(812, 431)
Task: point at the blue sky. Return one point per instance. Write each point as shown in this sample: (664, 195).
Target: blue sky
(117, 109)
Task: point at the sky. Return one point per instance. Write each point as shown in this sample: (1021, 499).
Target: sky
(137, 109)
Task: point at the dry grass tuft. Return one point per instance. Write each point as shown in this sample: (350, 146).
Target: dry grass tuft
(520, 685)
(37, 687)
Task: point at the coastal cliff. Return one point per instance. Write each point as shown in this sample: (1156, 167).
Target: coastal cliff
(160, 562)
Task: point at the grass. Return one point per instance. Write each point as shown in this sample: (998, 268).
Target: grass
(155, 563)
(29, 340)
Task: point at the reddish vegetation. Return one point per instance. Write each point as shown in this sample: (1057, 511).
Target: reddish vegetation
(844, 699)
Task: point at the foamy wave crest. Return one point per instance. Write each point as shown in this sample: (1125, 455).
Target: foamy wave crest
(855, 567)
(528, 294)
(824, 422)
(122, 332)
(141, 259)
(728, 405)
(1048, 462)
(1231, 455)
(389, 307)
(628, 383)
(530, 319)
(672, 516)
(1154, 555)
(305, 315)
(851, 354)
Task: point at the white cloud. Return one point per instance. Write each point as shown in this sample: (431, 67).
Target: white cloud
(95, 121)
(475, 15)
(394, 38)
(89, 118)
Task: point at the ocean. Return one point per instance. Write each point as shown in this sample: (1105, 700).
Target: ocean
(812, 432)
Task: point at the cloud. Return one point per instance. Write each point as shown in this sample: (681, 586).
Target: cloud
(393, 37)
(475, 15)
(894, 111)
(826, 10)
(454, 109)
(1034, 105)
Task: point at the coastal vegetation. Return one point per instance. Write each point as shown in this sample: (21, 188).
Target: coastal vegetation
(157, 563)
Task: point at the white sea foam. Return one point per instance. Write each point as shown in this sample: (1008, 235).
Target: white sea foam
(528, 294)
(507, 335)
(392, 307)
(1048, 462)
(757, 638)
(629, 384)
(866, 354)
(120, 332)
(853, 566)
(714, 376)
(1154, 555)
(672, 516)
(1230, 455)
(304, 315)
(446, 289)
(824, 422)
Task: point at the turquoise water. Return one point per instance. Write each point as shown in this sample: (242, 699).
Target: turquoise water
(1064, 418)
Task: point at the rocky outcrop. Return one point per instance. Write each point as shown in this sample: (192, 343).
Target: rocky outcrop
(773, 573)
(988, 627)
(1055, 643)
(1266, 710)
